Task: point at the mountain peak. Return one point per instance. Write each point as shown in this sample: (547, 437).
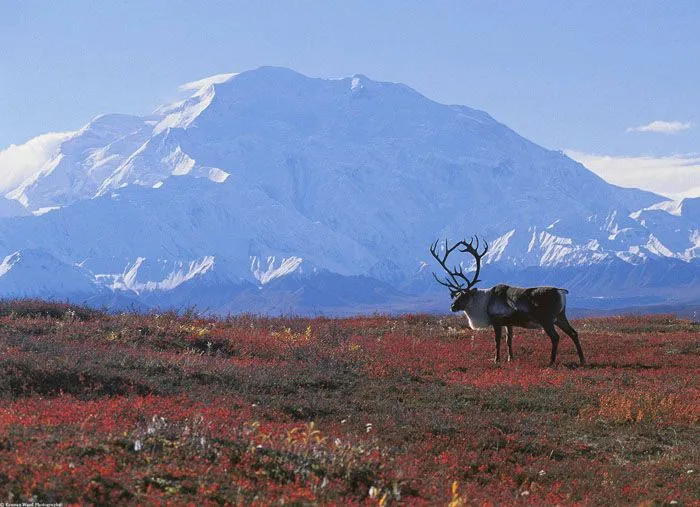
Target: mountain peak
(278, 175)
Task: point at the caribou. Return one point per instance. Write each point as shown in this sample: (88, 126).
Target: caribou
(503, 305)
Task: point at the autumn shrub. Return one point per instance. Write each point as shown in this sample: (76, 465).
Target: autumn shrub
(167, 408)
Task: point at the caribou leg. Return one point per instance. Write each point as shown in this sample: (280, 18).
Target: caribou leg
(510, 343)
(552, 333)
(563, 323)
(498, 330)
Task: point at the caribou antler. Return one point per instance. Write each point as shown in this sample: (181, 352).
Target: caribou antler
(454, 285)
(474, 250)
(456, 273)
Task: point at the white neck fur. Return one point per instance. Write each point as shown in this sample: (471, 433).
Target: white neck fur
(476, 310)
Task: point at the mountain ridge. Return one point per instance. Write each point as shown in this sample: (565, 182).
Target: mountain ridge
(269, 175)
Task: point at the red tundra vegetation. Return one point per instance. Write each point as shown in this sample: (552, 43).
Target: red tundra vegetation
(161, 408)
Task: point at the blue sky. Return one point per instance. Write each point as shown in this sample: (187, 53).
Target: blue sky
(590, 78)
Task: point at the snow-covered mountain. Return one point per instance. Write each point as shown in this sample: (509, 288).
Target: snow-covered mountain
(269, 191)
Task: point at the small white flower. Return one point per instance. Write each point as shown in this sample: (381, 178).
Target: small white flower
(368, 427)
(202, 441)
(541, 473)
(343, 421)
(373, 492)
(137, 445)
(690, 471)
(337, 442)
(525, 493)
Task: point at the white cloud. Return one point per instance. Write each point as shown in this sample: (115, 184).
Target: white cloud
(206, 82)
(18, 162)
(676, 176)
(662, 127)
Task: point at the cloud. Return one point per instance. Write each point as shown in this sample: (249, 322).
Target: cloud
(206, 82)
(662, 127)
(18, 162)
(675, 176)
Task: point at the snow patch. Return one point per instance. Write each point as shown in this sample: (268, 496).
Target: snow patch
(533, 241)
(127, 280)
(356, 84)
(498, 247)
(549, 250)
(180, 162)
(270, 272)
(186, 112)
(593, 244)
(19, 193)
(657, 247)
(183, 113)
(694, 251)
(180, 276)
(633, 256)
(100, 157)
(43, 211)
(670, 207)
(8, 262)
(555, 249)
(218, 175)
(130, 274)
(611, 224)
(115, 180)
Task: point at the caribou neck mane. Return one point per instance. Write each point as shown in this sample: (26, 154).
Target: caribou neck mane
(476, 308)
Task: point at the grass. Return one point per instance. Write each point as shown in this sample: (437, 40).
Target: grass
(161, 408)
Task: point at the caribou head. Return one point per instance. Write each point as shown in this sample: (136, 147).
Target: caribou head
(461, 288)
